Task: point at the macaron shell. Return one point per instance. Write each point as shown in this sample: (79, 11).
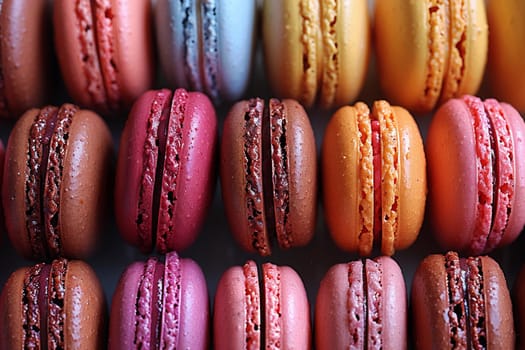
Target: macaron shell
(518, 294)
(236, 36)
(452, 175)
(287, 34)
(12, 312)
(194, 308)
(429, 302)
(412, 179)
(295, 311)
(516, 221)
(302, 173)
(341, 184)
(233, 179)
(506, 50)
(85, 305)
(196, 178)
(402, 43)
(499, 319)
(353, 48)
(123, 318)
(230, 311)
(26, 53)
(130, 164)
(85, 183)
(13, 184)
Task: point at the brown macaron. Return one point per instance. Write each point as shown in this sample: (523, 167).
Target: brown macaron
(268, 174)
(59, 305)
(461, 303)
(55, 182)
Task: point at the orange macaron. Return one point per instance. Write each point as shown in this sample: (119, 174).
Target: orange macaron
(374, 178)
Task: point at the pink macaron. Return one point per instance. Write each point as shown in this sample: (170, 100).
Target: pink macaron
(362, 305)
(476, 167)
(166, 169)
(160, 305)
(265, 309)
(105, 51)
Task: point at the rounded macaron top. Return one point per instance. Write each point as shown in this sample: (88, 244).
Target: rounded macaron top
(363, 305)
(268, 174)
(56, 174)
(166, 169)
(105, 51)
(25, 55)
(59, 305)
(475, 153)
(316, 51)
(506, 51)
(461, 302)
(207, 45)
(430, 51)
(160, 305)
(256, 308)
(374, 178)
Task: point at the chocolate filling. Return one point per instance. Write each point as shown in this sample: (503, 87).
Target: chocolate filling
(155, 135)
(169, 165)
(56, 154)
(279, 171)
(253, 166)
(56, 304)
(457, 310)
(33, 322)
(40, 134)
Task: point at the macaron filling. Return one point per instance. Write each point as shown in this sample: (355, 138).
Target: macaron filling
(494, 163)
(168, 168)
(47, 144)
(466, 313)
(153, 158)
(253, 304)
(91, 67)
(44, 298)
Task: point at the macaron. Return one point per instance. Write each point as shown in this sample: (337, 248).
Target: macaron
(160, 305)
(316, 51)
(506, 51)
(56, 179)
(26, 61)
(374, 178)
(207, 45)
(105, 51)
(166, 169)
(430, 51)
(265, 309)
(518, 294)
(461, 303)
(362, 305)
(59, 305)
(268, 174)
(476, 166)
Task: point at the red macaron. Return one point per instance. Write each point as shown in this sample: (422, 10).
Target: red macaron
(268, 174)
(55, 185)
(265, 309)
(59, 305)
(476, 168)
(166, 169)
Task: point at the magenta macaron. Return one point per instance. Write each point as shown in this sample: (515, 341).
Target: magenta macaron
(166, 169)
(160, 305)
(261, 309)
(476, 166)
(362, 305)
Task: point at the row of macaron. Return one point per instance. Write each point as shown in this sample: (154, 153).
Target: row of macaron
(455, 302)
(316, 52)
(375, 172)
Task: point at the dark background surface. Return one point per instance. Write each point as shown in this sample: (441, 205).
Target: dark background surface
(215, 250)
